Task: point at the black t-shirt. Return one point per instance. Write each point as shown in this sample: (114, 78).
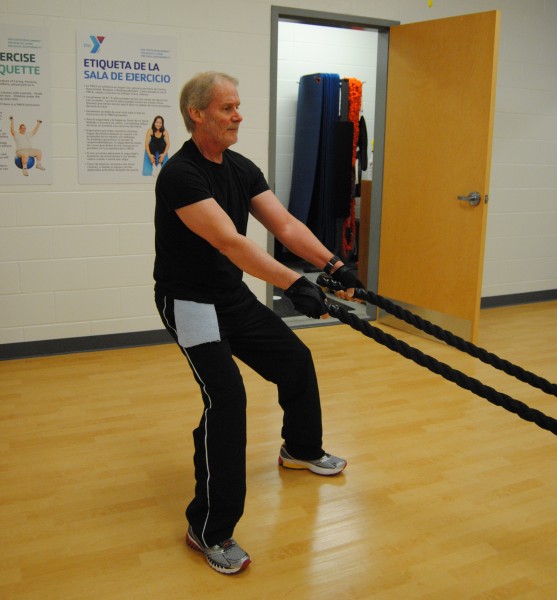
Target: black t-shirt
(186, 266)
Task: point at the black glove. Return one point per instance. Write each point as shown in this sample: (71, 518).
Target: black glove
(347, 277)
(307, 298)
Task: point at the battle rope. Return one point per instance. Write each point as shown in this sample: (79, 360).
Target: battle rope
(446, 336)
(462, 380)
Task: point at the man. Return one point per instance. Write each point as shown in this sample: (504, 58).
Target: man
(204, 195)
(23, 146)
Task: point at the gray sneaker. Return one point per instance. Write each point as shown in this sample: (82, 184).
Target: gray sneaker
(326, 465)
(226, 557)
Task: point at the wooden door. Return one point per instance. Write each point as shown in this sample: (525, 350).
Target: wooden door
(438, 139)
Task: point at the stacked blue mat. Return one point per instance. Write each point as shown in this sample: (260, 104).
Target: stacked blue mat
(312, 191)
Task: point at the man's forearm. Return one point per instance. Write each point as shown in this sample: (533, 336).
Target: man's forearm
(299, 240)
(255, 261)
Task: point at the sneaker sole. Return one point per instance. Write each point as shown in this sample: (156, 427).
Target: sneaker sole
(292, 463)
(193, 544)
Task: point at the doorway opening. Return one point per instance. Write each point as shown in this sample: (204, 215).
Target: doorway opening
(307, 42)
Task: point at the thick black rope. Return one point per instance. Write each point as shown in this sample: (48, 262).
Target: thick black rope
(447, 372)
(446, 336)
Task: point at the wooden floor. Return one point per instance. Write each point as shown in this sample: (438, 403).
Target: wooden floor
(445, 495)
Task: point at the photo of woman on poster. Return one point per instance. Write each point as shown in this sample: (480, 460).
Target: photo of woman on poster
(157, 143)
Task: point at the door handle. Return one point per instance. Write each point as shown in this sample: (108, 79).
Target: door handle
(473, 198)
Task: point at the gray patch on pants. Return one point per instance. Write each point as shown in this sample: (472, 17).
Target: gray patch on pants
(196, 323)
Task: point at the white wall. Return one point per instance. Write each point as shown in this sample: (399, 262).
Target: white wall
(305, 49)
(76, 260)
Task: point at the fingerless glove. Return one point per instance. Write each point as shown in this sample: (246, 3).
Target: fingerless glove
(347, 277)
(307, 298)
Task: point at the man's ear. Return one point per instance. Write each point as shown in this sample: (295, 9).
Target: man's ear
(195, 114)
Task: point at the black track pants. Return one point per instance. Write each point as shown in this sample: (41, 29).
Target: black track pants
(254, 334)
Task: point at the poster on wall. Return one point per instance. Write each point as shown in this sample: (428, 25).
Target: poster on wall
(25, 127)
(127, 106)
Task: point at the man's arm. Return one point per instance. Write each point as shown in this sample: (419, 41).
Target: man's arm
(36, 128)
(208, 220)
(298, 238)
(291, 232)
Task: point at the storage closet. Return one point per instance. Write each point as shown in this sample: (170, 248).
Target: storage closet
(330, 153)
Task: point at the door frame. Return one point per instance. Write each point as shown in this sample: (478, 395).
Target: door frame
(382, 26)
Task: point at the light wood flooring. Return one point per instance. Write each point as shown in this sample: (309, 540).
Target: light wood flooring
(445, 495)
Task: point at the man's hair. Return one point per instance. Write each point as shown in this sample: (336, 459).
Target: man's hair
(198, 93)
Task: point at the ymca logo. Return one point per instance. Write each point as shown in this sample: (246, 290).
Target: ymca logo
(97, 41)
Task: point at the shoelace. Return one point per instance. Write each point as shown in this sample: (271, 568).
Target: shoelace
(324, 458)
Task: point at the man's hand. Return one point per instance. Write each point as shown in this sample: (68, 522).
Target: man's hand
(348, 278)
(307, 298)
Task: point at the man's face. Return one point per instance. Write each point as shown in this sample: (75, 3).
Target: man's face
(221, 118)
(22, 128)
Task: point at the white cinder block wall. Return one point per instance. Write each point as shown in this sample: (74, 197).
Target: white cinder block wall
(305, 49)
(76, 260)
